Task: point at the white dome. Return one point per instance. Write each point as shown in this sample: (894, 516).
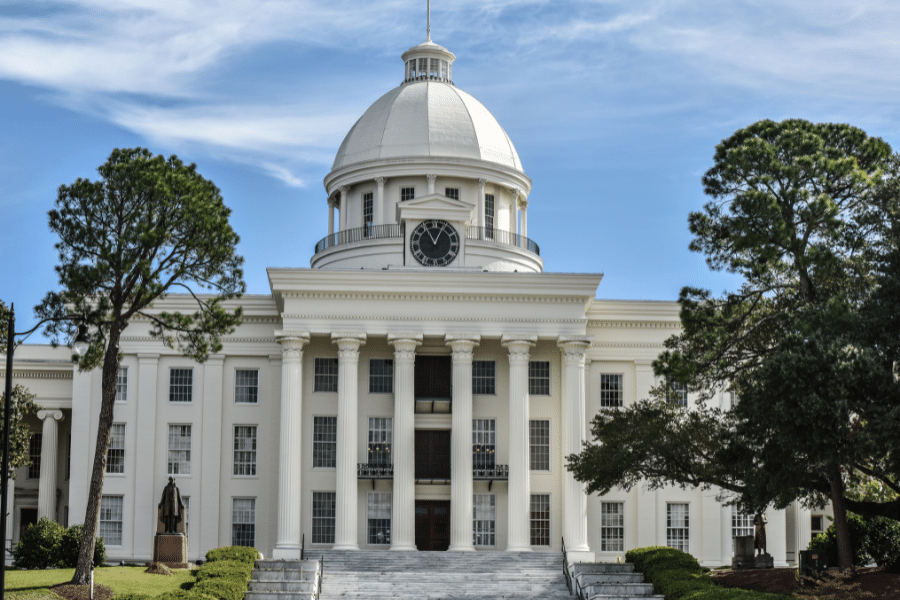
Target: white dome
(427, 119)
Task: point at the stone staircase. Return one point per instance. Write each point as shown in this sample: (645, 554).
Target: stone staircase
(610, 581)
(378, 575)
(284, 580)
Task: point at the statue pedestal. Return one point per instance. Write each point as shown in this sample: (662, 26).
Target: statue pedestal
(763, 561)
(170, 549)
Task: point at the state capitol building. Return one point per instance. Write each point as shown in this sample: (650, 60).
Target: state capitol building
(416, 388)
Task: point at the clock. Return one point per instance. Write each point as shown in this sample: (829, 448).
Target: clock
(434, 243)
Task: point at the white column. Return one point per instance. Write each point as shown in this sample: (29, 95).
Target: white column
(523, 206)
(345, 537)
(379, 201)
(649, 516)
(209, 496)
(330, 216)
(287, 544)
(513, 221)
(461, 501)
(519, 528)
(403, 502)
(49, 447)
(479, 218)
(431, 177)
(573, 350)
(345, 204)
(147, 487)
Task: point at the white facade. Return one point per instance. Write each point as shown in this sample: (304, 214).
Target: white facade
(330, 359)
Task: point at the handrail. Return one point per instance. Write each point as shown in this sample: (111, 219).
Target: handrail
(369, 232)
(566, 567)
(321, 575)
(495, 472)
(303, 547)
(394, 230)
(374, 470)
(502, 236)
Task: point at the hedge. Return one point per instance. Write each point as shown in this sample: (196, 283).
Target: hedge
(221, 588)
(225, 569)
(677, 575)
(238, 553)
(49, 544)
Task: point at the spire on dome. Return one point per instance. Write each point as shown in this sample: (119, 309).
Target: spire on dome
(428, 31)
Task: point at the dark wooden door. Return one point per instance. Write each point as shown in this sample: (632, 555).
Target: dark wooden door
(434, 377)
(27, 516)
(432, 524)
(432, 454)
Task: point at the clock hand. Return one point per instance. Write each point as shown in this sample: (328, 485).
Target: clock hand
(434, 238)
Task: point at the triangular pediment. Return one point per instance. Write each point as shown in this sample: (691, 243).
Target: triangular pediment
(435, 206)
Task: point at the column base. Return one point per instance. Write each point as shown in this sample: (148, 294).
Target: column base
(580, 556)
(286, 552)
(518, 549)
(461, 549)
(345, 547)
(404, 548)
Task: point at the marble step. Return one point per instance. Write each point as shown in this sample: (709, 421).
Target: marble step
(280, 595)
(619, 597)
(619, 589)
(282, 586)
(577, 568)
(593, 578)
(305, 574)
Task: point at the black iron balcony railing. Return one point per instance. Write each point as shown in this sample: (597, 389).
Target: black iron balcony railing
(495, 472)
(501, 236)
(374, 471)
(370, 232)
(375, 232)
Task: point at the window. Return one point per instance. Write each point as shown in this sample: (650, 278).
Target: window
(181, 382)
(732, 399)
(676, 393)
(246, 386)
(379, 519)
(323, 518)
(539, 434)
(489, 215)
(484, 440)
(243, 522)
(326, 375)
(179, 449)
(612, 526)
(539, 378)
(483, 525)
(380, 440)
(611, 391)
(122, 385)
(34, 455)
(741, 524)
(368, 211)
(186, 500)
(484, 376)
(115, 456)
(381, 376)
(452, 193)
(407, 193)
(540, 519)
(677, 526)
(245, 450)
(111, 520)
(324, 442)
(816, 523)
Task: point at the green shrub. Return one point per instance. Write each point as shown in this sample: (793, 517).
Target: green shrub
(238, 553)
(676, 575)
(184, 595)
(883, 541)
(38, 547)
(227, 569)
(221, 588)
(826, 543)
(132, 597)
(71, 542)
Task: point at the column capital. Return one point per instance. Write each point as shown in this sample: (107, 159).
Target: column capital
(348, 343)
(216, 360)
(380, 180)
(523, 202)
(574, 344)
(516, 192)
(462, 344)
(481, 181)
(49, 413)
(405, 344)
(292, 342)
(332, 201)
(145, 358)
(519, 346)
(431, 177)
(344, 189)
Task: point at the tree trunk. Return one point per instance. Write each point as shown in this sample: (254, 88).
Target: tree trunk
(82, 574)
(841, 529)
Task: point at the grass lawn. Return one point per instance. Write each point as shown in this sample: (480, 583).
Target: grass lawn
(35, 585)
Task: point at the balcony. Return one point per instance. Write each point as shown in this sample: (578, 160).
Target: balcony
(374, 471)
(380, 232)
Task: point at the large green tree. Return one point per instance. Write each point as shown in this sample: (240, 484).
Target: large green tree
(149, 226)
(799, 211)
(22, 406)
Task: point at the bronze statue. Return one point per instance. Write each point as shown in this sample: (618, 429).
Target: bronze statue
(172, 507)
(759, 541)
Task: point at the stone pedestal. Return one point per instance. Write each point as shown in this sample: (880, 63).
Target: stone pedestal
(170, 549)
(745, 558)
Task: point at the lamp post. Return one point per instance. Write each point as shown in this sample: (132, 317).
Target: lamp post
(81, 345)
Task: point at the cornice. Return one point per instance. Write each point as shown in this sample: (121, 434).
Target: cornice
(627, 345)
(34, 374)
(245, 320)
(436, 297)
(225, 340)
(346, 317)
(634, 324)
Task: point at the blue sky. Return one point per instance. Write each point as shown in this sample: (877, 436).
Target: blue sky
(615, 108)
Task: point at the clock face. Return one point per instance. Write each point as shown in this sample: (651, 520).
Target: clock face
(434, 243)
